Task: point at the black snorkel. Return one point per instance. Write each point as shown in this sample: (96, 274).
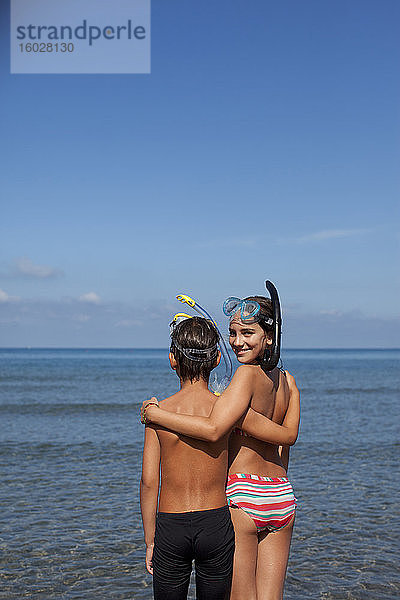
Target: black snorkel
(272, 353)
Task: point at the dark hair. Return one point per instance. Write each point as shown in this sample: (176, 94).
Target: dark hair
(195, 333)
(266, 312)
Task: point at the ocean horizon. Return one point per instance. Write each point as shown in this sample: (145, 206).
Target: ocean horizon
(166, 348)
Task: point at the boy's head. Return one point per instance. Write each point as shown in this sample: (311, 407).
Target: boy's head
(194, 348)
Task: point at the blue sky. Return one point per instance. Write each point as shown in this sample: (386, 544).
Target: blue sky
(264, 144)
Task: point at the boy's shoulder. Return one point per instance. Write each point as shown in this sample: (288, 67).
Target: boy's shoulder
(169, 401)
(186, 401)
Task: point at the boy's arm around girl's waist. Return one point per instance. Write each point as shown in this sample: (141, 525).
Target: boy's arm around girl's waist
(228, 409)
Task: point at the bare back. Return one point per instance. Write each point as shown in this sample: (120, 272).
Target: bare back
(193, 472)
(271, 399)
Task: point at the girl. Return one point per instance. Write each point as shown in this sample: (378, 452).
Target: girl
(258, 490)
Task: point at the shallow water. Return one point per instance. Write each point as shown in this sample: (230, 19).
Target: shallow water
(70, 452)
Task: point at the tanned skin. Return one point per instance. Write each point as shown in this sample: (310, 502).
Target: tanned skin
(267, 407)
(193, 471)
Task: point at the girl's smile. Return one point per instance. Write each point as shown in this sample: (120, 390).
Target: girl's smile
(248, 341)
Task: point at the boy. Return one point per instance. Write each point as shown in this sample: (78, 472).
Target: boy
(193, 522)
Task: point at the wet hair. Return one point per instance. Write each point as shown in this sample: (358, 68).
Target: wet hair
(194, 344)
(265, 313)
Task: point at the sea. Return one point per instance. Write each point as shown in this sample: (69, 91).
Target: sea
(70, 461)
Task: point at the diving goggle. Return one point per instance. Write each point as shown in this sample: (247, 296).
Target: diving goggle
(191, 353)
(249, 310)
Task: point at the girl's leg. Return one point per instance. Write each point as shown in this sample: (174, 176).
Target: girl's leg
(273, 556)
(245, 558)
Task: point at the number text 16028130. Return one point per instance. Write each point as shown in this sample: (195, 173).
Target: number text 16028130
(49, 47)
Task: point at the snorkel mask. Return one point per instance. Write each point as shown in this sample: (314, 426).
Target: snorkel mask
(250, 312)
(216, 386)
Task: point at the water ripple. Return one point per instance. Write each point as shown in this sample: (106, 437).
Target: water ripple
(70, 451)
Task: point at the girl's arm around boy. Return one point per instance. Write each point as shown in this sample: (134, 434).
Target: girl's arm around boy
(227, 411)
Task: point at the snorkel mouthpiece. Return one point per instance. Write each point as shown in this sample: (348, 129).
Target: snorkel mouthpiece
(272, 353)
(186, 300)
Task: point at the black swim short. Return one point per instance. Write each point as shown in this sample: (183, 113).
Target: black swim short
(208, 538)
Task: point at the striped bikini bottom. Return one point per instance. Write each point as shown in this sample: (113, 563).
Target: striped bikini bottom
(269, 501)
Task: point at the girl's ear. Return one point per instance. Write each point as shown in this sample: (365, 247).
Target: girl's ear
(269, 340)
(172, 361)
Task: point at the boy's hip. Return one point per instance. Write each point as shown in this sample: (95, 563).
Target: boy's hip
(195, 515)
(196, 529)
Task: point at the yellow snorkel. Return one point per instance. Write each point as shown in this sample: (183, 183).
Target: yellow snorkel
(217, 386)
(186, 300)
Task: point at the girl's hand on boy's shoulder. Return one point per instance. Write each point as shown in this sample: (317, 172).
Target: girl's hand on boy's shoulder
(145, 417)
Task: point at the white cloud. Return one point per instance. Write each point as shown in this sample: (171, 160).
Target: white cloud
(228, 243)
(81, 318)
(26, 268)
(11, 321)
(329, 234)
(90, 298)
(128, 323)
(68, 322)
(4, 297)
(333, 329)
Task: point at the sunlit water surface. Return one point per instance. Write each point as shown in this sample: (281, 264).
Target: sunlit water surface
(70, 454)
